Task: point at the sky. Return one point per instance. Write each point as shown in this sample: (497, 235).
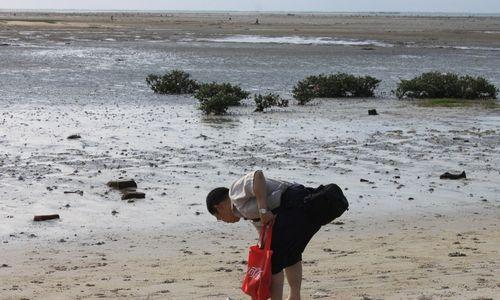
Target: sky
(447, 6)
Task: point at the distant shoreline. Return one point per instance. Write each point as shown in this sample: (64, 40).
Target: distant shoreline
(446, 32)
(333, 13)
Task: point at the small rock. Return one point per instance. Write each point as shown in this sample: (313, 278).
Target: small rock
(456, 254)
(448, 175)
(133, 195)
(372, 112)
(122, 184)
(74, 137)
(337, 223)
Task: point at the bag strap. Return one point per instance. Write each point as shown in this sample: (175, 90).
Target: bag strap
(266, 233)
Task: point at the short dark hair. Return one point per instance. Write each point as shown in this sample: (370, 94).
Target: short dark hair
(215, 197)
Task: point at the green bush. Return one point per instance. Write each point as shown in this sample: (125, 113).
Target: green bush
(174, 82)
(434, 85)
(338, 85)
(215, 98)
(217, 104)
(303, 92)
(266, 101)
(208, 90)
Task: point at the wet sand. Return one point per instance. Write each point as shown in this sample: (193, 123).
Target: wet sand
(408, 235)
(386, 258)
(394, 243)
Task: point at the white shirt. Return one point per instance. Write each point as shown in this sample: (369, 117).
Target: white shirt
(243, 198)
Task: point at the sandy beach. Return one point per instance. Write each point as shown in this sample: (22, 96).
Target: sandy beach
(408, 233)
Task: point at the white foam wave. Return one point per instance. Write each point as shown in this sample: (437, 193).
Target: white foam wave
(296, 40)
(468, 48)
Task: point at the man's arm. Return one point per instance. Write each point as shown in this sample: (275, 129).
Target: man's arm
(260, 192)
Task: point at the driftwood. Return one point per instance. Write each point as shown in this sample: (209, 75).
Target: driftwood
(122, 184)
(133, 195)
(45, 218)
(448, 175)
(74, 192)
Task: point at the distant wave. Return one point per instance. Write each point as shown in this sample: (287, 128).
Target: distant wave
(468, 48)
(297, 40)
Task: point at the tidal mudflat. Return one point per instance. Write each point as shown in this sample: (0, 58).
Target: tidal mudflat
(408, 235)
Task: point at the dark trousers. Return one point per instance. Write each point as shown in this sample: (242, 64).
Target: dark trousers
(292, 229)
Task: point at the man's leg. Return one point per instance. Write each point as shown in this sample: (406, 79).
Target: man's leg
(277, 286)
(294, 278)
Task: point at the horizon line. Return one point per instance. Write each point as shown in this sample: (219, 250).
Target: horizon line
(239, 11)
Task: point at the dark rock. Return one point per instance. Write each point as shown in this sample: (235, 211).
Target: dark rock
(45, 217)
(372, 112)
(122, 184)
(456, 254)
(133, 195)
(74, 137)
(448, 175)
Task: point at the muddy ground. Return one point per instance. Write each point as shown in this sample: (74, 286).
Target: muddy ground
(403, 237)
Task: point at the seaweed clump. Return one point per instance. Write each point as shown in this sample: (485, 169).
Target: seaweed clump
(266, 101)
(216, 98)
(340, 85)
(174, 82)
(433, 85)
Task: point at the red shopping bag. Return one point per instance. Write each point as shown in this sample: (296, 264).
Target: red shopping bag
(257, 281)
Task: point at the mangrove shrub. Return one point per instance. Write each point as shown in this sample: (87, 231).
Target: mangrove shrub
(435, 85)
(173, 82)
(338, 85)
(217, 97)
(217, 104)
(208, 90)
(266, 101)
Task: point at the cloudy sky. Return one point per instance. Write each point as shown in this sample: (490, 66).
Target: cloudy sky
(456, 6)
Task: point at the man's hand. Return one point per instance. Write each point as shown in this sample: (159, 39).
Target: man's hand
(266, 218)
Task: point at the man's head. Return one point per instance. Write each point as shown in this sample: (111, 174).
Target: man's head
(219, 205)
